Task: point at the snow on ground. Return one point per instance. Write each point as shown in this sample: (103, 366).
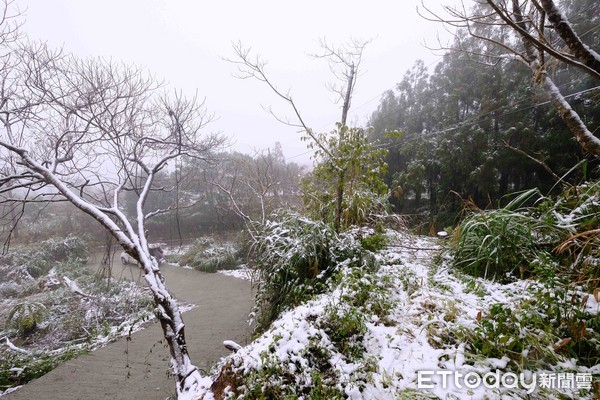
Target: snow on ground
(243, 272)
(429, 304)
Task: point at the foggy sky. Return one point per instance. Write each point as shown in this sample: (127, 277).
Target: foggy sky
(184, 43)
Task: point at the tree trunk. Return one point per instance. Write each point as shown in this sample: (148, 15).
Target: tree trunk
(585, 138)
(187, 377)
(560, 24)
(339, 200)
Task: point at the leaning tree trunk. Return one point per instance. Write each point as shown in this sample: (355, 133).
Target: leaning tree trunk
(535, 61)
(583, 135)
(187, 377)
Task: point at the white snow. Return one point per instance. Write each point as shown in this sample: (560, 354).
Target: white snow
(243, 272)
(428, 302)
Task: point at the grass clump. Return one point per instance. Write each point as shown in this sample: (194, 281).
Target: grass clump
(555, 243)
(35, 260)
(207, 255)
(507, 243)
(500, 244)
(18, 369)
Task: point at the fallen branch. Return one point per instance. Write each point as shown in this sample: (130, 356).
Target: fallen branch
(12, 347)
(73, 287)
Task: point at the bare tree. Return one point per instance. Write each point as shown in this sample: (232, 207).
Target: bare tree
(86, 132)
(256, 185)
(344, 62)
(536, 33)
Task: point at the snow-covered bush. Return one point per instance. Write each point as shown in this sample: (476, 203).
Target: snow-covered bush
(59, 309)
(296, 256)
(556, 243)
(318, 349)
(18, 369)
(207, 255)
(37, 259)
(379, 325)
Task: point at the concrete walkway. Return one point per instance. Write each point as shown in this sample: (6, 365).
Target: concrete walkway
(138, 369)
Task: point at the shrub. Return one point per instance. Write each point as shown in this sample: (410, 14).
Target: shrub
(499, 244)
(37, 259)
(374, 242)
(18, 369)
(26, 316)
(554, 240)
(207, 255)
(295, 257)
(492, 244)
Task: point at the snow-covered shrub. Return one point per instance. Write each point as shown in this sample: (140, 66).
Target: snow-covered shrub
(207, 255)
(556, 242)
(318, 349)
(537, 331)
(17, 368)
(577, 212)
(37, 259)
(295, 257)
(49, 321)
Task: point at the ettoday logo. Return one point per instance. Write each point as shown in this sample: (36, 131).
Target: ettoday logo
(507, 380)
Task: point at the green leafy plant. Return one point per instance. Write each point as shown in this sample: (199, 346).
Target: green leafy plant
(346, 329)
(37, 259)
(26, 316)
(18, 369)
(294, 259)
(499, 244)
(374, 242)
(555, 242)
(346, 186)
(277, 380)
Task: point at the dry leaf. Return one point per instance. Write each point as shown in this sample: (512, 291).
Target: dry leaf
(559, 345)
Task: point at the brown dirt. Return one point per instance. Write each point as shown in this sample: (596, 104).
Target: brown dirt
(138, 368)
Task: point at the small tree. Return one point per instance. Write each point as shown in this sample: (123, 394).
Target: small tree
(347, 189)
(87, 131)
(339, 180)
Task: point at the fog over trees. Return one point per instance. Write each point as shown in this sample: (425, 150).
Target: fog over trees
(498, 114)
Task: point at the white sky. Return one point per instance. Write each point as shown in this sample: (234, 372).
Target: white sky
(185, 41)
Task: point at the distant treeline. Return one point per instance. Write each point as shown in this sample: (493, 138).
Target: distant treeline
(478, 129)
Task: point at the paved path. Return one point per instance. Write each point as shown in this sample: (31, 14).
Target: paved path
(137, 369)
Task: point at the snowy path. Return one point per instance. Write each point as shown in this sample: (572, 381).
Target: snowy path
(138, 369)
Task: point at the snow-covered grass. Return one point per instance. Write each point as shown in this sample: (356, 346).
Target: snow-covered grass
(206, 254)
(379, 326)
(54, 307)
